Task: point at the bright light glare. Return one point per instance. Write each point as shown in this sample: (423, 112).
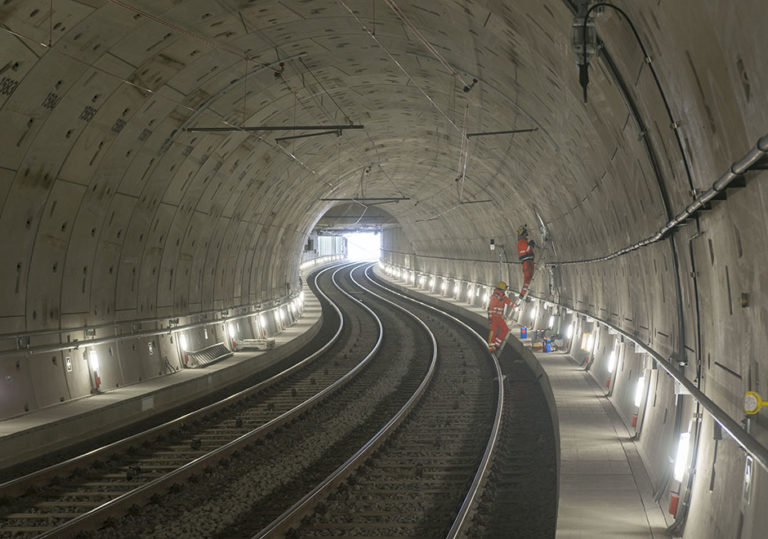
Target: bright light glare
(612, 361)
(534, 312)
(183, 342)
(569, 331)
(363, 246)
(93, 359)
(639, 390)
(551, 321)
(590, 342)
(232, 332)
(681, 460)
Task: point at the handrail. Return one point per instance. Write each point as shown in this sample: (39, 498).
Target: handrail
(741, 436)
(262, 307)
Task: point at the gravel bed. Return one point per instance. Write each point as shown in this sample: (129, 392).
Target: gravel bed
(139, 465)
(520, 498)
(266, 477)
(414, 485)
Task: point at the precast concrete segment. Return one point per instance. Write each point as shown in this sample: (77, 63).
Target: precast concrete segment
(735, 171)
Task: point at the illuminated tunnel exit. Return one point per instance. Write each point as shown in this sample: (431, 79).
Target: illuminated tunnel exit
(360, 225)
(363, 245)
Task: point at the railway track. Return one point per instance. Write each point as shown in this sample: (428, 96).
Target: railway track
(519, 498)
(84, 491)
(411, 478)
(378, 435)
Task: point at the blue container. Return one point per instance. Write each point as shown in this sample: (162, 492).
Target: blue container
(547, 345)
(523, 332)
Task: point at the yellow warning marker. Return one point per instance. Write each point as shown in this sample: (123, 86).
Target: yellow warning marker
(753, 402)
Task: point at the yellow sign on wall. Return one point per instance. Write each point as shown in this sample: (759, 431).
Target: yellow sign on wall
(753, 402)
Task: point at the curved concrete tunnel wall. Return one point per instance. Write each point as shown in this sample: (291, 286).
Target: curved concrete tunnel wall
(114, 213)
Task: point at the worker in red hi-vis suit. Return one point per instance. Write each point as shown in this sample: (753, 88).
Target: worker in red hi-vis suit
(496, 306)
(525, 254)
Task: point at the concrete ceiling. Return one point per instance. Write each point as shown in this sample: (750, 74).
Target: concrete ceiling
(115, 208)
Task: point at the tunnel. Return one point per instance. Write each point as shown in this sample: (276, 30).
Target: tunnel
(167, 163)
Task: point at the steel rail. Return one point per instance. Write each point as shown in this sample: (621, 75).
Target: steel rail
(745, 440)
(20, 485)
(283, 522)
(119, 505)
(478, 483)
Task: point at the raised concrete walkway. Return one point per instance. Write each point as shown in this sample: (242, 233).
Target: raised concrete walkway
(39, 432)
(604, 490)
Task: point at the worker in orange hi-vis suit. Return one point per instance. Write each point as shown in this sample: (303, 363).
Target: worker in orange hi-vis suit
(496, 306)
(525, 254)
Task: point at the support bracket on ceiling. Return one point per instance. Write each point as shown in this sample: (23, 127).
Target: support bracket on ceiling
(507, 132)
(336, 132)
(228, 129)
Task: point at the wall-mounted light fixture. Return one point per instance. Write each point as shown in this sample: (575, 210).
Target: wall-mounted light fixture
(612, 361)
(93, 360)
(681, 459)
(492, 245)
(639, 390)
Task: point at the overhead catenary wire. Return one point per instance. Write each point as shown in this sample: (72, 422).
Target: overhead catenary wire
(399, 65)
(463, 150)
(439, 57)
